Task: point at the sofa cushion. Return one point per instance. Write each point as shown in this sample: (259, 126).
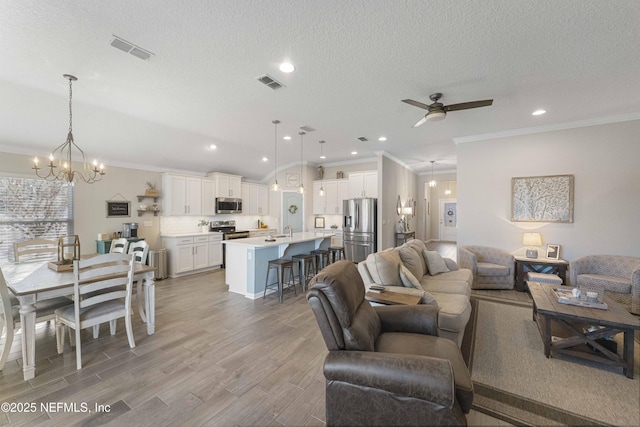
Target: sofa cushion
(418, 245)
(412, 260)
(408, 279)
(432, 285)
(384, 267)
(461, 275)
(610, 283)
(435, 263)
(455, 311)
(488, 269)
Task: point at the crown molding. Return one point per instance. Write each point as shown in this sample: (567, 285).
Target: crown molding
(548, 128)
(395, 159)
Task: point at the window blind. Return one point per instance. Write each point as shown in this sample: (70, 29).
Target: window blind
(31, 209)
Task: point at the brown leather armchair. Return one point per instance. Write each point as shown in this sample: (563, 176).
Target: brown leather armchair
(386, 365)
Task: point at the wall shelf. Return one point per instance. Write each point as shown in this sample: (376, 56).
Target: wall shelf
(155, 211)
(155, 198)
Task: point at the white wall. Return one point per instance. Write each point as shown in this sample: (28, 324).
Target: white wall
(396, 181)
(605, 161)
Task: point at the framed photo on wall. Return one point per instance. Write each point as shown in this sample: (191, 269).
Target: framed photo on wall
(553, 251)
(319, 222)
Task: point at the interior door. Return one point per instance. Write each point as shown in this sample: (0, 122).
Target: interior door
(292, 210)
(448, 220)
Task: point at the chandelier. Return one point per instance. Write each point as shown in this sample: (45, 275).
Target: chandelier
(60, 165)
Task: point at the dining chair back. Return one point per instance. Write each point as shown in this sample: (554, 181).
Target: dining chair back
(102, 292)
(35, 250)
(10, 315)
(140, 249)
(119, 246)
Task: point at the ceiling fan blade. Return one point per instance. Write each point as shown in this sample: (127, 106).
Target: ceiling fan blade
(467, 105)
(416, 104)
(420, 122)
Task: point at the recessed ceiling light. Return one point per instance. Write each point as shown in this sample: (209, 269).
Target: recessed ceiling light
(286, 138)
(538, 112)
(354, 153)
(323, 157)
(264, 159)
(382, 138)
(212, 147)
(287, 67)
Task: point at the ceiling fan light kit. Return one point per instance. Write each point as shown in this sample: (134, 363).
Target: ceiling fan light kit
(437, 111)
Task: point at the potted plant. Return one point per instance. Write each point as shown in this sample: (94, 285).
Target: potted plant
(151, 190)
(204, 225)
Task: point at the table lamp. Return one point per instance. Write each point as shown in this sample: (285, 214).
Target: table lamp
(532, 239)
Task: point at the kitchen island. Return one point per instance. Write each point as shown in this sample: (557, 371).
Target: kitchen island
(247, 259)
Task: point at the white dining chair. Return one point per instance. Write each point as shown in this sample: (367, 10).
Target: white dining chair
(10, 315)
(119, 246)
(98, 297)
(141, 251)
(35, 250)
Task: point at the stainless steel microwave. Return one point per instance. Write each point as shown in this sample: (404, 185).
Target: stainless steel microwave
(227, 205)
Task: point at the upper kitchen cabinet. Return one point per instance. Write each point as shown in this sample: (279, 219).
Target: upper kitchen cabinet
(363, 184)
(208, 197)
(335, 191)
(227, 185)
(255, 199)
(182, 195)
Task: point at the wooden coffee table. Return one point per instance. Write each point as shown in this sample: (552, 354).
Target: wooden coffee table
(574, 319)
(392, 298)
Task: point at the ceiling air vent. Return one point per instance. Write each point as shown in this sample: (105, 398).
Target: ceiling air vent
(362, 138)
(125, 46)
(270, 81)
(306, 128)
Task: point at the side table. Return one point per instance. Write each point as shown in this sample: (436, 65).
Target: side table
(538, 265)
(404, 237)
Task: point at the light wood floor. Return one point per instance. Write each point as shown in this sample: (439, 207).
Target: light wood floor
(216, 358)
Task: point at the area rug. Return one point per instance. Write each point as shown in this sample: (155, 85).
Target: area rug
(515, 382)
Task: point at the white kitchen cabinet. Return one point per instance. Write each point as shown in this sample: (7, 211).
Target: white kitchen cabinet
(255, 199)
(191, 254)
(363, 184)
(215, 250)
(182, 195)
(208, 197)
(335, 191)
(227, 185)
(200, 252)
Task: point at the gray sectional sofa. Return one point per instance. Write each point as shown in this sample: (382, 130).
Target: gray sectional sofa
(449, 289)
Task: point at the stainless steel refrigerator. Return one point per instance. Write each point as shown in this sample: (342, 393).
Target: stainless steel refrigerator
(359, 228)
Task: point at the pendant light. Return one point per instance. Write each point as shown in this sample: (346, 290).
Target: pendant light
(301, 189)
(447, 192)
(432, 183)
(90, 173)
(321, 192)
(275, 186)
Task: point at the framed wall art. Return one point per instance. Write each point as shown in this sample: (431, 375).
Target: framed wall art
(553, 251)
(115, 209)
(292, 180)
(542, 198)
(319, 222)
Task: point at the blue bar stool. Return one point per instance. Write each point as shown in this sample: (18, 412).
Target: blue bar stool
(322, 258)
(280, 265)
(306, 266)
(337, 253)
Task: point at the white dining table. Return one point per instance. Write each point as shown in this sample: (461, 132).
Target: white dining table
(33, 282)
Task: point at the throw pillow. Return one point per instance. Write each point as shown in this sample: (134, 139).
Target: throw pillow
(384, 267)
(408, 279)
(413, 261)
(435, 263)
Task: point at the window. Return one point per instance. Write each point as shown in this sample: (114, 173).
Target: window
(31, 209)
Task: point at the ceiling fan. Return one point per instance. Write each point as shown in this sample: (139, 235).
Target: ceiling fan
(438, 111)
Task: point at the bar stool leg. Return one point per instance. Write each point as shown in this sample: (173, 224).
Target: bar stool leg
(280, 283)
(266, 283)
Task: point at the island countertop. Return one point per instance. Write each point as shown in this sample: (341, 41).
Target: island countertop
(260, 242)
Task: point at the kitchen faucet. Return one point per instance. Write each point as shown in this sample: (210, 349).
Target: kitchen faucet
(290, 230)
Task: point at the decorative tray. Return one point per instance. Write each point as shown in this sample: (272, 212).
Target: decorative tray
(581, 298)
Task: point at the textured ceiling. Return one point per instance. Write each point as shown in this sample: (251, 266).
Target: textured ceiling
(355, 60)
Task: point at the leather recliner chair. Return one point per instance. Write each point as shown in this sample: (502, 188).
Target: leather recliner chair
(386, 365)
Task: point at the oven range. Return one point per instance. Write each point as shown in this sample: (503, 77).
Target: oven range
(228, 228)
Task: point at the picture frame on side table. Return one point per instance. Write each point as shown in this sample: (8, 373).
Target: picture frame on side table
(319, 222)
(553, 252)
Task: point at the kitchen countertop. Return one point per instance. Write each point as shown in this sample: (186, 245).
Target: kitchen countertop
(259, 242)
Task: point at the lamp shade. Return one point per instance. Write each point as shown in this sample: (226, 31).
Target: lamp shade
(532, 239)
